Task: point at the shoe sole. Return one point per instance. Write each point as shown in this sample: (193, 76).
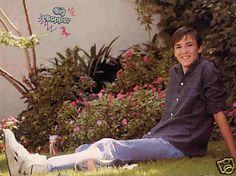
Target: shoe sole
(94, 164)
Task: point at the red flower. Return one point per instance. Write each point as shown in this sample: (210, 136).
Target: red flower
(73, 103)
(232, 113)
(153, 90)
(146, 59)
(130, 52)
(161, 95)
(136, 88)
(76, 129)
(119, 73)
(159, 80)
(120, 96)
(124, 122)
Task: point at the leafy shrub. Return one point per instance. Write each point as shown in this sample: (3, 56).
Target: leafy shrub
(126, 108)
(123, 116)
(55, 85)
(70, 78)
(99, 65)
(142, 64)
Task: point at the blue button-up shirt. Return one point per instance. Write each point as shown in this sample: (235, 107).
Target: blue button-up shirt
(191, 99)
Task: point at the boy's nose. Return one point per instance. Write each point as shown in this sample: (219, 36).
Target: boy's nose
(184, 49)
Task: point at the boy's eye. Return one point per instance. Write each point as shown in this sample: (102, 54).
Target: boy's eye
(177, 47)
(189, 44)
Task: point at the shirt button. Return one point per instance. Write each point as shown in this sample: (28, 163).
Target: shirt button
(177, 99)
(171, 114)
(148, 133)
(181, 83)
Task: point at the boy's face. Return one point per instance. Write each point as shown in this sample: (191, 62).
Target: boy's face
(187, 51)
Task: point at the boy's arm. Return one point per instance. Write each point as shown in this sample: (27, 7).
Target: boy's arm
(225, 132)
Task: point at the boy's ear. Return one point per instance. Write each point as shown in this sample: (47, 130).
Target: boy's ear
(173, 51)
(200, 49)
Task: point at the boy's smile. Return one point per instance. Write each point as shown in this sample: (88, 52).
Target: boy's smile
(187, 51)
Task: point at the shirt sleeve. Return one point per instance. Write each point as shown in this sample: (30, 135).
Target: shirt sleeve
(213, 89)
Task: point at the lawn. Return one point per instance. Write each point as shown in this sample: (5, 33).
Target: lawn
(204, 166)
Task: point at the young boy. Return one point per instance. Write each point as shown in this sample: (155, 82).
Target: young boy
(195, 98)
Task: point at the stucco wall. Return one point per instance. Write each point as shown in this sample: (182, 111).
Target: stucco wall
(91, 21)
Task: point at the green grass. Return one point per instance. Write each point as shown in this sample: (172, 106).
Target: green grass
(204, 166)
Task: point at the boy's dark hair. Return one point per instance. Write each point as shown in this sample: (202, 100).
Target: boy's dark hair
(178, 35)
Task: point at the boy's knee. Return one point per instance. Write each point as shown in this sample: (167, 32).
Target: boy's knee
(106, 141)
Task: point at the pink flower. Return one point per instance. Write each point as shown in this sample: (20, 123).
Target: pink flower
(146, 59)
(73, 103)
(232, 113)
(234, 105)
(124, 122)
(93, 95)
(161, 95)
(131, 94)
(136, 88)
(153, 89)
(99, 122)
(159, 80)
(119, 73)
(76, 129)
(120, 96)
(130, 52)
(145, 86)
(126, 65)
(100, 94)
(151, 86)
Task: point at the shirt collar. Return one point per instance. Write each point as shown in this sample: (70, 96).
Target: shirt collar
(179, 69)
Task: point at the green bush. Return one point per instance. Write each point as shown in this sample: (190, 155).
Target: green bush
(122, 116)
(126, 108)
(71, 78)
(62, 82)
(142, 64)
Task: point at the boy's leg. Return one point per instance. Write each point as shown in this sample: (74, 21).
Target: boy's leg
(114, 152)
(106, 149)
(137, 149)
(68, 161)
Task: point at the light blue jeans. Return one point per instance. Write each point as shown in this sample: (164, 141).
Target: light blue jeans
(135, 150)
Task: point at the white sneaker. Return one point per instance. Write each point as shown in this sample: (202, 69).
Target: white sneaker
(20, 161)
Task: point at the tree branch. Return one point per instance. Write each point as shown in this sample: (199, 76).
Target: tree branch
(4, 25)
(18, 85)
(30, 32)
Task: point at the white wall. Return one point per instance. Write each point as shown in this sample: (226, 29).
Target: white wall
(94, 21)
